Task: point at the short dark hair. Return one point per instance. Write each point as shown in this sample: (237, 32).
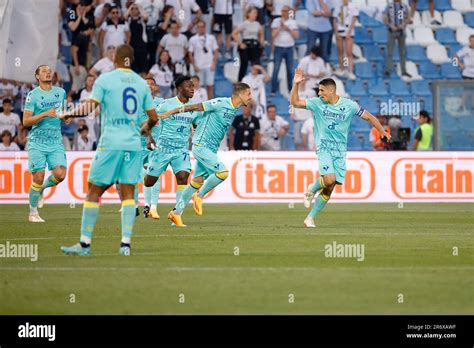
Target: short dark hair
(328, 83)
(240, 87)
(7, 101)
(123, 52)
(316, 51)
(180, 80)
(425, 114)
(38, 69)
(196, 77)
(271, 106)
(6, 132)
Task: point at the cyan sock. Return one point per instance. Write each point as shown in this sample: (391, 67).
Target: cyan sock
(90, 212)
(210, 183)
(318, 205)
(128, 219)
(49, 182)
(34, 195)
(185, 197)
(155, 192)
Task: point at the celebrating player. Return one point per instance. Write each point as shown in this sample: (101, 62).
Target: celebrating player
(219, 113)
(172, 145)
(43, 107)
(150, 193)
(332, 117)
(123, 96)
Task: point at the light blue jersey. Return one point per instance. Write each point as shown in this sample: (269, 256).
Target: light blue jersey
(124, 96)
(46, 134)
(154, 131)
(332, 123)
(173, 132)
(219, 113)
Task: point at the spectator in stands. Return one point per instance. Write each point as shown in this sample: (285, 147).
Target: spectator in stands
(424, 133)
(21, 138)
(177, 45)
(256, 79)
(396, 142)
(465, 59)
(185, 10)
(7, 90)
(7, 143)
(396, 18)
(8, 120)
(250, 40)
(307, 134)
(300, 116)
(431, 7)
(136, 18)
(114, 31)
(200, 93)
(345, 18)
(163, 72)
(273, 129)
(90, 120)
(275, 7)
(319, 27)
(162, 28)
(245, 131)
(81, 24)
(105, 64)
(223, 11)
(204, 5)
(102, 12)
(84, 142)
(375, 139)
(259, 5)
(153, 9)
(284, 33)
(203, 55)
(314, 69)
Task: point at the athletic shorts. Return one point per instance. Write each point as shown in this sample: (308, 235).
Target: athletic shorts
(207, 162)
(145, 156)
(37, 159)
(329, 164)
(206, 76)
(159, 161)
(111, 166)
(222, 22)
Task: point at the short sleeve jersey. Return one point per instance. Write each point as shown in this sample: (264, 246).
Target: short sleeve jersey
(144, 140)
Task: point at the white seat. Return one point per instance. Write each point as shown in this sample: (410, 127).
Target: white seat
(453, 19)
(409, 39)
(416, 21)
(462, 35)
(375, 8)
(357, 52)
(361, 4)
(412, 69)
(426, 19)
(437, 54)
(462, 6)
(424, 36)
(231, 71)
(301, 18)
(340, 89)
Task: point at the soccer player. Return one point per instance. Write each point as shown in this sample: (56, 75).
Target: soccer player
(219, 113)
(150, 193)
(43, 107)
(123, 96)
(172, 145)
(332, 117)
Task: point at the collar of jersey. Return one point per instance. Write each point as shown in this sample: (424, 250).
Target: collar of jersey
(230, 102)
(125, 69)
(179, 101)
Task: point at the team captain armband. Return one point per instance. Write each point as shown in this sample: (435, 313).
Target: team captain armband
(360, 112)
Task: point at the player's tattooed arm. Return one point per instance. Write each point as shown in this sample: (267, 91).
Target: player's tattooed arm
(150, 123)
(30, 120)
(294, 97)
(374, 122)
(82, 109)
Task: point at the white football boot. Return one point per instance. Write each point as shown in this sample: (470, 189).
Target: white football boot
(309, 222)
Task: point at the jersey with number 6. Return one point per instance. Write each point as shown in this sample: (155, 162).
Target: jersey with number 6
(123, 96)
(332, 123)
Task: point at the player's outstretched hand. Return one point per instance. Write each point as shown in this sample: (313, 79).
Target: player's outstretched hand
(386, 136)
(151, 145)
(299, 77)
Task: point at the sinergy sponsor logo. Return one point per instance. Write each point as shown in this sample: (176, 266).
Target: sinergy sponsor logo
(12, 250)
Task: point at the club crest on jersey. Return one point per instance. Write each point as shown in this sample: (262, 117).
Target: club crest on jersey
(333, 125)
(326, 167)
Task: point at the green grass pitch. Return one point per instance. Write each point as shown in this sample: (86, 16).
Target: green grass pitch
(408, 251)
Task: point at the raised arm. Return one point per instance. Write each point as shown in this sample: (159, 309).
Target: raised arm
(374, 122)
(294, 97)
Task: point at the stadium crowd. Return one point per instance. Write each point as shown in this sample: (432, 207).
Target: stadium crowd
(200, 38)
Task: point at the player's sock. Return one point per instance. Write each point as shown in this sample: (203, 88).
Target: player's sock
(186, 196)
(49, 182)
(135, 195)
(318, 185)
(34, 195)
(89, 218)
(155, 194)
(147, 194)
(211, 182)
(128, 219)
(179, 192)
(319, 204)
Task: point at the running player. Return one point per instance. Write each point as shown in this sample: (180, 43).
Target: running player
(150, 193)
(332, 117)
(123, 96)
(43, 107)
(172, 145)
(219, 113)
